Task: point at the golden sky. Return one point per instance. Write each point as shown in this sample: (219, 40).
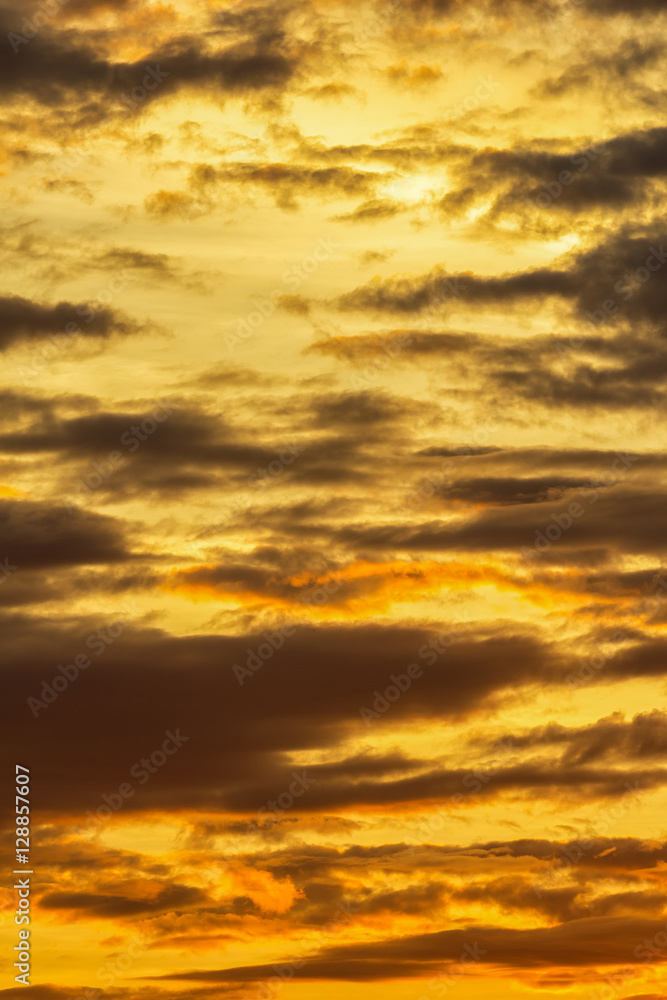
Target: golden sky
(331, 493)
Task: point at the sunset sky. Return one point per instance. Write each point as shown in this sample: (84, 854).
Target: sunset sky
(333, 347)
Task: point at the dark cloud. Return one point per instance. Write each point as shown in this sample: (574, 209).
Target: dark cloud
(625, 859)
(169, 898)
(79, 7)
(543, 778)
(644, 737)
(625, 64)
(373, 210)
(586, 370)
(157, 267)
(55, 67)
(459, 452)
(232, 376)
(544, 10)
(39, 992)
(333, 92)
(38, 535)
(371, 257)
(549, 459)
(284, 182)
(299, 305)
(416, 900)
(609, 284)
(116, 711)
(625, 520)
(615, 360)
(496, 491)
(408, 295)
(399, 344)
(639, 8)
(601, 941)
(161, 446)
(25, 321)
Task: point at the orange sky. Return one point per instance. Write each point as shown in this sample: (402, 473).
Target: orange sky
(333, 584)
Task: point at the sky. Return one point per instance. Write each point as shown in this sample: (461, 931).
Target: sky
(332, 565)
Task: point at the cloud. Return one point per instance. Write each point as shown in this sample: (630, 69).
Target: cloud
(158, 446)
(102, 907)
(509, 528)
(41, 535)
(55, 67)
(25, 321)
(323, 563)
(498, 491)
(407, 295)
(626, 63)
(284, 182)
(371, 211)
(584, 942)
(269, 714)
(644, 737)
(333, 92)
